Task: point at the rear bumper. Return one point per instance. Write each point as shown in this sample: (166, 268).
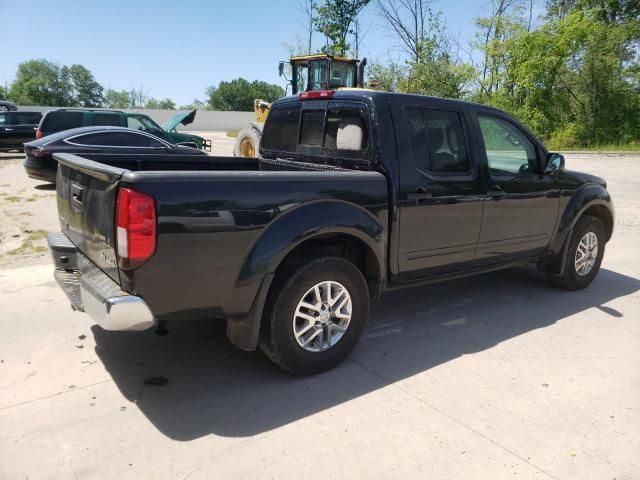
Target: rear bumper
(91, 291)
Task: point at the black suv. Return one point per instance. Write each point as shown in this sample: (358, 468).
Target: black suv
(17, 128)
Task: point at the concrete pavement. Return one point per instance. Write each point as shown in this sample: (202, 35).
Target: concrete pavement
(490, 377)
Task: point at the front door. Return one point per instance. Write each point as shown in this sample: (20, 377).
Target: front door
(440, 197)
(522, 202)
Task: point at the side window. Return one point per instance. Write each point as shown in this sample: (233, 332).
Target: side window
(346, 133)
(3, 119)
(437, 141)
(508, 150)
(110, 119)
(135, 123)
(281, 129)
(116, 139)
(26, 118)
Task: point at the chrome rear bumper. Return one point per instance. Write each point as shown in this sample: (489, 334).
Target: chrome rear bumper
(91, 291)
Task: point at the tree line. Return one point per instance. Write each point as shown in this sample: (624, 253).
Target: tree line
(43, 82)
(572, 75)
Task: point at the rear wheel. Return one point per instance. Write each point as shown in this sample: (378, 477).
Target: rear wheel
(247, 143)
(315, 316)
(584, 255)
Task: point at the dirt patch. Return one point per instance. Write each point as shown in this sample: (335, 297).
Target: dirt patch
(27, 214)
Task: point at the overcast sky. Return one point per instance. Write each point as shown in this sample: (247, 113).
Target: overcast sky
(177, 48)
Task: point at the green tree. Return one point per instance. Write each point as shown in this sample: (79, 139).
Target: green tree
(166, 104)
(4, 92)
(87, 92)
(40, 82)
(239, 94)
(196, 104)
(116, 99)
(334, 19)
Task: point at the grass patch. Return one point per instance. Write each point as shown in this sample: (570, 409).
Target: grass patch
(28, 243)
(12, 198)
(609, 147)
(233, 133)
(36, 196)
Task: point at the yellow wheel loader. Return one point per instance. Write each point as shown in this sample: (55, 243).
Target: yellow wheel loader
(308, 73)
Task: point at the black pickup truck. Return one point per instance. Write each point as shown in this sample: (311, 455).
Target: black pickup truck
(357, 192)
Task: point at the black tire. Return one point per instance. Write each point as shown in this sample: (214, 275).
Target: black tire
(249, 134)
(570, 279)
(277, 339)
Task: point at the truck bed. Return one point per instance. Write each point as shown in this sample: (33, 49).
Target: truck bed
(218, 218)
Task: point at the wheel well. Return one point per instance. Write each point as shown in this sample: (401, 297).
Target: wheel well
(604, 215)
(337, 245)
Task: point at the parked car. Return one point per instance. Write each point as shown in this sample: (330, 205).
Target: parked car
(65, 118)
(6, 106)
(41, 165)
(357, 192)
(17, 128)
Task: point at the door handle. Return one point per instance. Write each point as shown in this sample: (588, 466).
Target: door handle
(421, 194)
(496, 192)
(76, 196)
(8, 129)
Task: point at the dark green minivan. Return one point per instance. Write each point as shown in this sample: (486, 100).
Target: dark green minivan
(65, 118)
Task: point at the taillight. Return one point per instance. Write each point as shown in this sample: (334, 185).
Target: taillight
(135, 228)
(315, 95)
(39, 152)
(39, 134)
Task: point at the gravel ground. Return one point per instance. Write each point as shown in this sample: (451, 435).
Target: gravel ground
(490, 377)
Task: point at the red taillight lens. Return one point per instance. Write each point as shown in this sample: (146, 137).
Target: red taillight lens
(135, 228)
(316, 95)
(39, 152)
(38, 134)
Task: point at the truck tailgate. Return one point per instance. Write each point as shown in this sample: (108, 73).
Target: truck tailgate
(86, 193)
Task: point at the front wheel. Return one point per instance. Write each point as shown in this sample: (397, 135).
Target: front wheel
(315, 316)
(584, 256)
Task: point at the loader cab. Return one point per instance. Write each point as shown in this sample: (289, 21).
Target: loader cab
(324, 72)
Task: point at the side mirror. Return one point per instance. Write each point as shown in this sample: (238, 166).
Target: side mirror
(281, 69)
(555, 162)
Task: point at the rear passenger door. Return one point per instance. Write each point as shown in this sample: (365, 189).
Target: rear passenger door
(440, 196)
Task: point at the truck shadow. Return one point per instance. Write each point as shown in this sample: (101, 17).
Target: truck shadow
(215, 388)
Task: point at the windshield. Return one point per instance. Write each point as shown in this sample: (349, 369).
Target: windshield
(318, 74)
(342, 75)
(302, 77)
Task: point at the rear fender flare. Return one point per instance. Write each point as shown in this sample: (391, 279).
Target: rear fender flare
(313, 219)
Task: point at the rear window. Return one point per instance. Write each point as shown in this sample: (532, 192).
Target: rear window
(109, 119)
(58, 121)
(26, 118)
(281, 132)
(337, 131)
